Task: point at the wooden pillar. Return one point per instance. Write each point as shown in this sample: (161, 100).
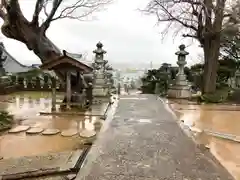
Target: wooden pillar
(78, 83)
(53, 94)
(68, 89)
(78, 76)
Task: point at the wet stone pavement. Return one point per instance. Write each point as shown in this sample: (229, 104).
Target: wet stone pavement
(144, 142)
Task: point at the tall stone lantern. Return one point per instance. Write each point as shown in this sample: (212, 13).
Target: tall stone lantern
(99, 83)
(181, 88)
(181, 77)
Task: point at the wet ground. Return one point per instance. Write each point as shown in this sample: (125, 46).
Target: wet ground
(143, 142)
(26, 107)
(221, 119)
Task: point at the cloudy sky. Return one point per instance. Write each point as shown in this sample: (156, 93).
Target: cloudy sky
(128, 36)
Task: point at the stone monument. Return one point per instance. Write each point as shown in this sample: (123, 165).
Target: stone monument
(99, 84)
(181, 87)
(237, 79)
(2, 60)
(109, 77)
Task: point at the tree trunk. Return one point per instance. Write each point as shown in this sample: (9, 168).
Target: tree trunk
(211, 54)
(22, 30)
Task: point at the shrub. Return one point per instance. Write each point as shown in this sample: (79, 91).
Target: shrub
(5, 118)
(234, 96)
(219, 96)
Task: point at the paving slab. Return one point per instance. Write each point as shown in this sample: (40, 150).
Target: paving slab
(33, 166)
(143, 141)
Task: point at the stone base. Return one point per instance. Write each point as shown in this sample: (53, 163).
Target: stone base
(179, 92)
(102, 92)
(100, 100)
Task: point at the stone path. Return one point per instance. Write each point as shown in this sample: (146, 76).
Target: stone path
(144, 142)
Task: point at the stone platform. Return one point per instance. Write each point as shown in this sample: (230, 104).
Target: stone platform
(144, 142)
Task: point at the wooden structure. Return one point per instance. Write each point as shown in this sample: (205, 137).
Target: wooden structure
(68, 66)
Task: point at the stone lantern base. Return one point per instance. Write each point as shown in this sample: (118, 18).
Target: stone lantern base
(100, 91)
(100, 95)
(181, 89)
(179, 92)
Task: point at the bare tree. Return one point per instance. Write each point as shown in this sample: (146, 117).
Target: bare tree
(204, 20)
(33, 33)
(230, 41)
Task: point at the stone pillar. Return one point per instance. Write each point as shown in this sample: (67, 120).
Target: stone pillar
(118, 80)
(181, 88)
(68, 90)
(237, 79)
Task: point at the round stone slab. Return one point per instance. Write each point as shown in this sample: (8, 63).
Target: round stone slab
(87, 133)
(69, 132)
(19, 129)
(50, 131)
(34, 130)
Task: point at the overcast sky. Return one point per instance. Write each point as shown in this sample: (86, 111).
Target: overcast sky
(127, 35)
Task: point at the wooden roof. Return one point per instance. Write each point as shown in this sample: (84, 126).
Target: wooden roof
(65, 61)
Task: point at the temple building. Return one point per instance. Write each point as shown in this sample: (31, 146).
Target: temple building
(11, 65)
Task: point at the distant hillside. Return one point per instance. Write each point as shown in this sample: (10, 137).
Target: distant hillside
(127, 65)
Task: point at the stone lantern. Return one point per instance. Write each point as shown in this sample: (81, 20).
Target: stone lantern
(181, 63)
(99, 84)
(181, 88)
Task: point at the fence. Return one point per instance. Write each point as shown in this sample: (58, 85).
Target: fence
(15, 84)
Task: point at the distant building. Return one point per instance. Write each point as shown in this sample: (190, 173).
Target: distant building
(11, 65)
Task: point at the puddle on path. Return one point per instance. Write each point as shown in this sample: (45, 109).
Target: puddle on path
(27, 107)
(226, 122)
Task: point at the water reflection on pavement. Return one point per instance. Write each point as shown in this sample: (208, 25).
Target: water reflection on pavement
(217, 118)
(26, 110)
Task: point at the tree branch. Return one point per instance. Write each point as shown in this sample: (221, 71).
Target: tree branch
(172, 18)
(86, 7)
(55, 6)
(38, 7)
(2, 14)
(190, 36)
(3, 5)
